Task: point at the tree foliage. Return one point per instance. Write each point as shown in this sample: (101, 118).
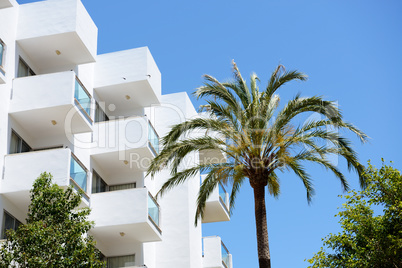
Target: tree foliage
(367, 239)
(55, 233)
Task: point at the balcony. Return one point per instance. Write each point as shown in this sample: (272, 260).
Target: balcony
(215, 253)
(51, 104)
(124, 217)
(5, 4)
(125, 145)
(128, 78)
(217, 205)
(57, 34)
(21, 170)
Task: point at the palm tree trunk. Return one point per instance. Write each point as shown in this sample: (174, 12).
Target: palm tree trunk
(264, 257)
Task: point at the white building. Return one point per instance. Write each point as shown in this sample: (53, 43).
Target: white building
(94, 122)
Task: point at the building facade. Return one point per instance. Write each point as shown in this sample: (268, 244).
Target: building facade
(94, 122)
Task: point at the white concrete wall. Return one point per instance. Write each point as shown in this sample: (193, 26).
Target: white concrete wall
(133, 64)
(181, 245)
(21, 170)
(120, 207)
(43, 91)
(47, 18)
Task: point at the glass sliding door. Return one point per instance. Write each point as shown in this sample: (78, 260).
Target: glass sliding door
(18, 145)
(98, 184)
(24, 69)
(100, 115)
(9, 222)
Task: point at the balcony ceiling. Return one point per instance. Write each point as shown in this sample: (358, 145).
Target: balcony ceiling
(215, 212)
(38, 122)
(42, 51)
(140, 92)
(110, 241)
(113, 162)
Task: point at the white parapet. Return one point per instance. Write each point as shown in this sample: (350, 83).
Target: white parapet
(127, 79)
(21, 170)
(123, 217)
(215, 253)
(217, 205)
(51, 104)
(56, 34)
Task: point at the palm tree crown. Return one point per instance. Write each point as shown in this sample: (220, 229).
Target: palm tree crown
(258, 141)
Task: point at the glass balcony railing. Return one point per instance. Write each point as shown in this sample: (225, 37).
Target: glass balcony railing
(78, 175)
(225, 255)
(153, 138)
(82, 100)
(1, 56)
(222, 196)
(153, 211)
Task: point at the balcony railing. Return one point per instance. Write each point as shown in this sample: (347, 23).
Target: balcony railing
(1, 57)
(153, 138)
(153, 211)
(222, 197)
(225, 255)
(82, 100)
(78, 175)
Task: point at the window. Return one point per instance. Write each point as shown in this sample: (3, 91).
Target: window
(121, 261)
(17, 144)
(9, 222)
(122, 186)
(98, 184)
(2, 50)
(100, 115)
(24, 69)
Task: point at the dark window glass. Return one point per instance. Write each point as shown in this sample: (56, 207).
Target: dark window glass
(100, 115)
(24, 69)
(122, 186)
(121, 261)
(9, 222)
(98, 184)
(18, 145)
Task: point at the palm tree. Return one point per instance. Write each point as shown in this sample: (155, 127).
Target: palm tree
(259, 142)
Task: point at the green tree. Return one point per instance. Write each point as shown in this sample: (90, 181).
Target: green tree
(367, 239)
(55, 234)
(259, 142)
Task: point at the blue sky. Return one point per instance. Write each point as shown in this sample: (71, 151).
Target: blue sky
(351, 50)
